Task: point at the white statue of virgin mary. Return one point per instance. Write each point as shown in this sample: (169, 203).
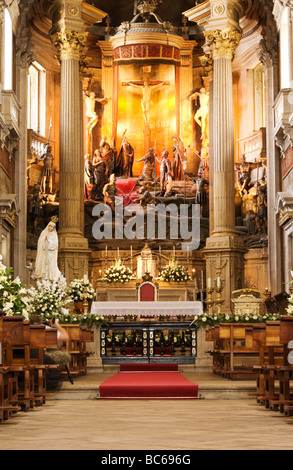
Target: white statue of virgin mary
(46, 267)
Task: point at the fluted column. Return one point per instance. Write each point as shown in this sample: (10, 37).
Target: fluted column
(71, 162)
(73, 245)
(224, 249)
(223, 44)
(268, 55)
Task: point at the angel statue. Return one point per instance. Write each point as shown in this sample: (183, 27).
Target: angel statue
(46, 267)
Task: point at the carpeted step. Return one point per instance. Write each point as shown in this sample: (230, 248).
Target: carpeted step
(148, 385)
(149, 367)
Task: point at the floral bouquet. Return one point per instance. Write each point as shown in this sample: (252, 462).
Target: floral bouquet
(12, 293)
(290, 300)
(206, 320)
(79, 291)
(47, 300)
(174, 272)
(118, 273)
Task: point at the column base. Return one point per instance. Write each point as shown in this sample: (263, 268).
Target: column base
(225, 259)
(73, 257)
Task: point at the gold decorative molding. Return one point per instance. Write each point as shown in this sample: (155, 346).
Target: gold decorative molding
(222, 43)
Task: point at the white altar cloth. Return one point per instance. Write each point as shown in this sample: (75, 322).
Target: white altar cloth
(147, 308)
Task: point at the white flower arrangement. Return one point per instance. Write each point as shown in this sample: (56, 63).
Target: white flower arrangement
(214, 319)
(118, 273)
(174, 272)
(47, 300)
(79, 291)
(12, 293)
(290, 300)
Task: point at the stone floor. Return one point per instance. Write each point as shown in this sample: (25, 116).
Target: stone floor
(218, 421)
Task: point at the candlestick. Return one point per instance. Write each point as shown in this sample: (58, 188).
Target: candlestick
(209, 300)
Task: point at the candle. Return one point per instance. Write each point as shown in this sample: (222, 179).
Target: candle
(202, 280)
(209, 283)
(106, 251)
(118, 252)
(195, 284)
(131, 251)
(86, 279)
(219, 282)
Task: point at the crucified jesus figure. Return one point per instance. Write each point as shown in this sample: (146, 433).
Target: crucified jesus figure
(146, 88)
(90, 101)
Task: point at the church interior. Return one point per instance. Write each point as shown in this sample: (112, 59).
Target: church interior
(146, 219)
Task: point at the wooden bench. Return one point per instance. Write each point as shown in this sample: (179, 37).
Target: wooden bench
(14, 334)
(41, 338)
(273, 372)
(22, 368)
(79, 336)
(233, 343)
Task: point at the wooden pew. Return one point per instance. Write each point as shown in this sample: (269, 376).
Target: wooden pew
(233, 343)
(259, 343)
(274, 373)
(285, 372)
(76, 347)
(41, 338)
(14, 334)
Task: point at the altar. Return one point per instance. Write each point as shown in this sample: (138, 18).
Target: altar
(172, 310)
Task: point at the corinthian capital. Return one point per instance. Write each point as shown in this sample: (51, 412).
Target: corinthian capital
(70, 44)
(222, 43)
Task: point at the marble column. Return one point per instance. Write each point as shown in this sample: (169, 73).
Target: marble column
(268, 55)
(186, 88)
(107, 86)
(73, 247)
(208, 66)
(224, 249)
(24, 58)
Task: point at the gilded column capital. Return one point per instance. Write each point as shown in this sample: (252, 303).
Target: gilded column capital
(70, 44)
(222, 43)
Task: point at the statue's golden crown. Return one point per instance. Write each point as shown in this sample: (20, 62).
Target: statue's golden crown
(54, 219)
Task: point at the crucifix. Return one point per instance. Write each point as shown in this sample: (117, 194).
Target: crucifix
(146, 86)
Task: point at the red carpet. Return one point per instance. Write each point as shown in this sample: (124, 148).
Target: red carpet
(149, 367)
(148, 385)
